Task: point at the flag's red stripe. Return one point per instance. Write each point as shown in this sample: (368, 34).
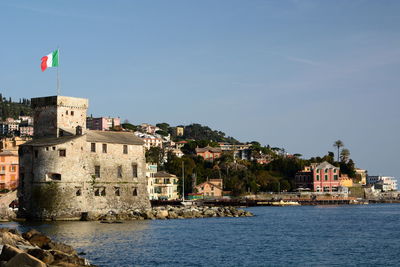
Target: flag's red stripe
(44, 63)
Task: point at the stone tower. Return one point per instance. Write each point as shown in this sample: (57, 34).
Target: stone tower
(56, 116)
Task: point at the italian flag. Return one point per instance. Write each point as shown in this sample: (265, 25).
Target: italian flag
(51, 60)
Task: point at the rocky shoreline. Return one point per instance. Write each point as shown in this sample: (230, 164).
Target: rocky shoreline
(36, 249)
(173, 212)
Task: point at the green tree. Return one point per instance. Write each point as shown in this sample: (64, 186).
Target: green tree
(344, 155)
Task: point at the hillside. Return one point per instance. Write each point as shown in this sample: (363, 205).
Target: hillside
(8, 108)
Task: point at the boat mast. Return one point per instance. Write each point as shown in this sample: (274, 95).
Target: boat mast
(183, 181)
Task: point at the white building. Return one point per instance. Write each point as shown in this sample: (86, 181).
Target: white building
(385, 183)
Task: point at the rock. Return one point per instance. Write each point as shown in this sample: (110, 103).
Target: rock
(62, 247)
(40, 240)
(248, 214)
(209, 213)
(172, 215)
(24, 259)
(148, 215)
(30, 233)
(162, 214)
(12, 239)
(42, 255)
(61, 258)
(9, 252)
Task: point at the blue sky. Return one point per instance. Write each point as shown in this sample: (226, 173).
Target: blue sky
(292, 74)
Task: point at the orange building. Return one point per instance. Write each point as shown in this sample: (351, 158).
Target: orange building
(211, 188)
(8, 170)
(209, 153)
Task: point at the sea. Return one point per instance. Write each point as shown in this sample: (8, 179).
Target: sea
(348, 235)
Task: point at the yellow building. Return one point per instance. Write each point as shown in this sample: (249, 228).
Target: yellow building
(179, 131)
(163, 186)
(12, 143)
(345, 180)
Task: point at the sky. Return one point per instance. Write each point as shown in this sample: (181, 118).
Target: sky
(293, 74)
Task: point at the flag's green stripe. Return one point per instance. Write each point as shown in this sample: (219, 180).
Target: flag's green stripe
(55, 59)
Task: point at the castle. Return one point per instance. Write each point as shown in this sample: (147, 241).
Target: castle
(67, 171)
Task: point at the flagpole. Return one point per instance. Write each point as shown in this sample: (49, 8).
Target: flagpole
(58, 74)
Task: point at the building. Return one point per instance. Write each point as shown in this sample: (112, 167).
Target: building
(361, 176)
(179, 130)
(150, 140)
(384, 183)
(209, 153)
(12, 143)
(8, 170)
(163, 186)
(148, 128)
(323, 177)
(26, 130)
(210, 188)
(9, 127)
(67, 171)
(345, 180)
(102, 123)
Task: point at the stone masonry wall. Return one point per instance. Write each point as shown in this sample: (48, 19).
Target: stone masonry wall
(43, 195)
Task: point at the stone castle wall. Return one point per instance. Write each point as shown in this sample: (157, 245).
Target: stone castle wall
(46, 195)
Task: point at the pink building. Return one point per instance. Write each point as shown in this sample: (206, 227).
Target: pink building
(319, 178)
(102, 123)
(26, 130)
(8, 170)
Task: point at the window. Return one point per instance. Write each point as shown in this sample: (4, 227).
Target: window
(326, 188)
(134, 170)
(54, 148)
(326, 177)
(104, 148)
(54, 176)
(117, 191)
(134, 192)
(78, 191)
(62, 152)
(36, 154)
(335, 177)
(317, 177)
(100, 191)
(97, 171)
(125, 150)
(47, 148)
(66, 112)
(119, 172)
(72, 113)
(93, 147)
(334, 189)
(334, 170)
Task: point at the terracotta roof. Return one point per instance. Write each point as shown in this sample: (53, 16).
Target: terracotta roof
(208, 148)
(8, 153)
(164, 174)
(200, 185)
(127, 138)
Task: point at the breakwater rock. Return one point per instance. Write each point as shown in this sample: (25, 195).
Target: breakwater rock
(36, 249)
(173, 212)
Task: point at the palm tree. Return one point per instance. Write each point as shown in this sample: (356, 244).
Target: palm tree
(338, 144)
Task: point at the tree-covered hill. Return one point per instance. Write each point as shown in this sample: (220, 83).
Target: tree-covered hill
(10, 109)
(199, 132)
